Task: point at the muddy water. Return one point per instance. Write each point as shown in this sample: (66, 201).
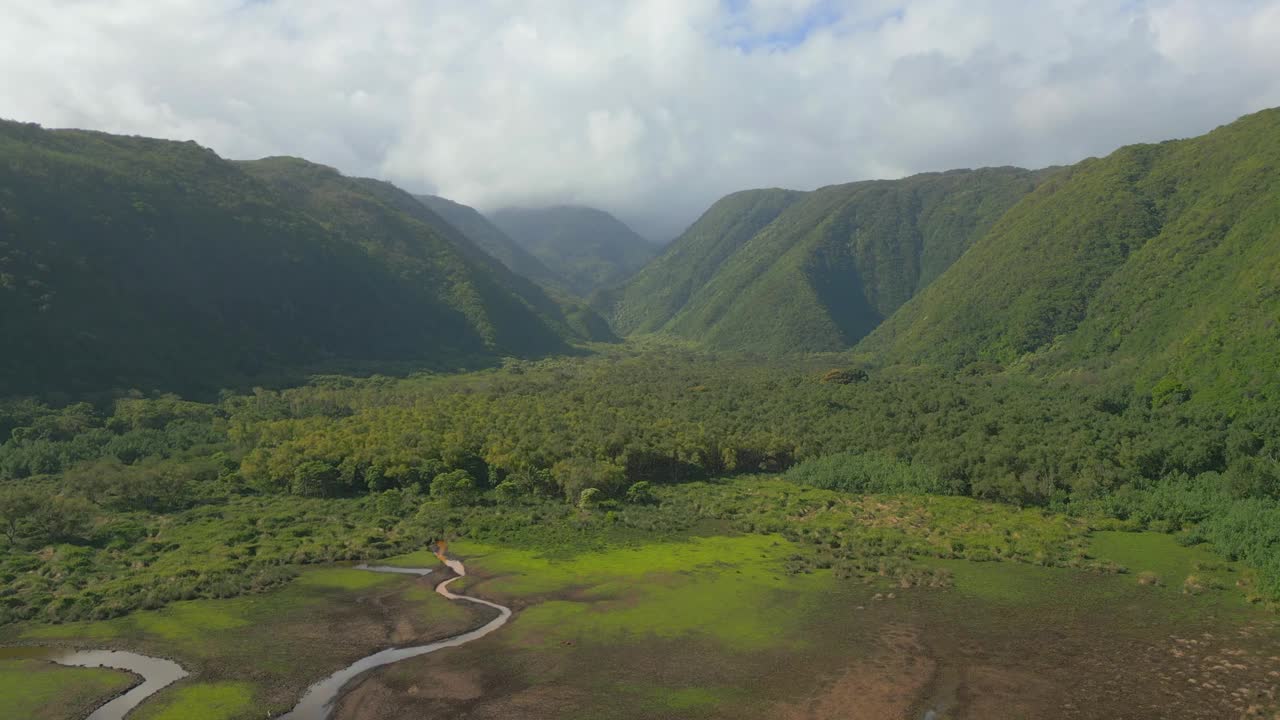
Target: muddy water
(156, 673)
(317, 703)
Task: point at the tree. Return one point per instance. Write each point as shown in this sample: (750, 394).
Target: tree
(574, 475)
(31, 518)
(455, 487)
(16, 510)
(59, 519)
(314, 478)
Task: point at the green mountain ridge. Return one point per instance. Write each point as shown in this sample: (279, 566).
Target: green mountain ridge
(490, 238)
(1156, 265)
(567, 311)
(655, 294)
(826, 269)
(133, 262)
(589, 248)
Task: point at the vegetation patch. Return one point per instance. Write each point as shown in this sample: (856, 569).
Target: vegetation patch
(344, 578)
(201, 701)
(732, 589)
(39, 690)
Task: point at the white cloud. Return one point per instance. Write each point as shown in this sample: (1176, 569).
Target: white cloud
(650, 109)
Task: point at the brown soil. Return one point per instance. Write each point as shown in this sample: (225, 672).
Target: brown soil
(884, 687)
(885, 660)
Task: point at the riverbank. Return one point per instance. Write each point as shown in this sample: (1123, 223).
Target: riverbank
(257, 653)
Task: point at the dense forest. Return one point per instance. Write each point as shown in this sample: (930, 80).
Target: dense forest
(605, 431)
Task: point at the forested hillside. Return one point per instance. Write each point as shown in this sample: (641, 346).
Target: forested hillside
(651, 298)
(831, 266)
(1156, 265)
(131, 262)
(589, 248)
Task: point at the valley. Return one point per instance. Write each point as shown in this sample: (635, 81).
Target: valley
(982, 443)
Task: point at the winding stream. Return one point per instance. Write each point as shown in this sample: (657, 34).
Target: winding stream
(317, 703)
(156, 673)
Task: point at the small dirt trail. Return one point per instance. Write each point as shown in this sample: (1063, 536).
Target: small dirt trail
(317, 703)
(156, 673)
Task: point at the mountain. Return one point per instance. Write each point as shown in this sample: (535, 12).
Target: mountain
(825, 271)
(541, 287)
(488, 237)
(656, 293)
(589, 248)
(1157, 264)
(133, 262)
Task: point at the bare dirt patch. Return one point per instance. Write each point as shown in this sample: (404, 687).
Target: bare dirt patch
(884, 687)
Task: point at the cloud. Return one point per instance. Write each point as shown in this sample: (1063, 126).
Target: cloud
(649, 109)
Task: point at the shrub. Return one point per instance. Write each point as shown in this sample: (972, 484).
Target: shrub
(589, 498)
(641, 493)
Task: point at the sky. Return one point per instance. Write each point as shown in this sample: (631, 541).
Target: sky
(649, 109)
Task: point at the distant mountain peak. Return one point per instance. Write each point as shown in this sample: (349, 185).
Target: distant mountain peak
(588, 247)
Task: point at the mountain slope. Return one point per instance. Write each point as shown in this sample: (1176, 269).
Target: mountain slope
(543, 289)
(491, 297)
(655, 294)
(127, 261)
(838, 260)
(1157, 263)
(488, 237)
(589, 248)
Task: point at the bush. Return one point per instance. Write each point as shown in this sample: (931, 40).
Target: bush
(589, 498)
(641, 493)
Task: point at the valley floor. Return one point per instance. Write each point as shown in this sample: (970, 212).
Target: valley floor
(730, 618)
